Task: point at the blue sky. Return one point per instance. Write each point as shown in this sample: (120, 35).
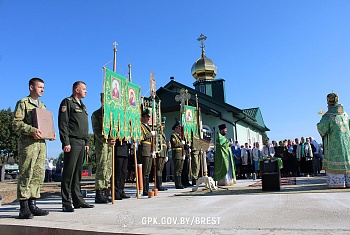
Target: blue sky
(282, 56)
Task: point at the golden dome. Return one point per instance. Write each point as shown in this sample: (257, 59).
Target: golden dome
(204, 69)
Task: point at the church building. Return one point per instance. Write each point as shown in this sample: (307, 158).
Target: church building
(244, 125)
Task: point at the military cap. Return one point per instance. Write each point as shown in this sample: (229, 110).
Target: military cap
(177, 123)
(146, 112)
(222, 126)
(332, 98)
(163, 119)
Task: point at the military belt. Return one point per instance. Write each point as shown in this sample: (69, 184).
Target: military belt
(177, 148)
(145, 142)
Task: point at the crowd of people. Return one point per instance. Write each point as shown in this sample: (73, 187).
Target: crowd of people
(300, 157)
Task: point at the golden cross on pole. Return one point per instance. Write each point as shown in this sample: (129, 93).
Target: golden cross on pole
(115, 44)
(321, 112)
(183, 98)
(152, 82)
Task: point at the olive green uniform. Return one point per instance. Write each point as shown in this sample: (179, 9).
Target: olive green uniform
(195, 164)
(160, 162)
(73, 127)
(162, 155)
(177, 155)
(103, 152)
(144, 151)
(31, 152)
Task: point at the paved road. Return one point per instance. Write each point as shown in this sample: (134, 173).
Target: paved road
(308, 207)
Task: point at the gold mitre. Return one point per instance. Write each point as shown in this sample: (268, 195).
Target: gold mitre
(332, 98)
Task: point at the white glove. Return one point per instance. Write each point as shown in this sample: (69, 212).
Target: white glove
(153, 154)
(189, 144)
(189, 150)
(183, 142)
(153, 133)
(183, 157)
(166, 159)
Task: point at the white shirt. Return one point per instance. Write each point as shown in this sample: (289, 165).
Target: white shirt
(256, 154)
(268, 151)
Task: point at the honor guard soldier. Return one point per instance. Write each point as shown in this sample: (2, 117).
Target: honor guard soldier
(178, 156)
(31, 152)
(145, 149)
(74, 134)
(103, 156)
(162, 158)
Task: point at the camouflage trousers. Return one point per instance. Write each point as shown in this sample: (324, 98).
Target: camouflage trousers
(103, 165)
(195, 166)
(32, 159)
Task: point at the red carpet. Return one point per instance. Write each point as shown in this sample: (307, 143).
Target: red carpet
(284, 181)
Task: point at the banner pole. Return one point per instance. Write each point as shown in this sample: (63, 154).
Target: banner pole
(136, 173)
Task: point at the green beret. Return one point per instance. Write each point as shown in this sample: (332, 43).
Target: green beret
(146, 112)
(163, 119)
(177, 123)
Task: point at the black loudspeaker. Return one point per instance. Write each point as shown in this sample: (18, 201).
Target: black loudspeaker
(271, 182)
(270, 175)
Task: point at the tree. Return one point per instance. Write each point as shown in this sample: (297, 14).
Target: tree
(264, 137)
(8, 137)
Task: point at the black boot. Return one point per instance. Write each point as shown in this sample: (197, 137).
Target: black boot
(117, 195)
(178, 184)
(145, 186)
(36, 210)
(24, 211)
(159, 184)
(123, 195)
(194, 182)
(101, 197)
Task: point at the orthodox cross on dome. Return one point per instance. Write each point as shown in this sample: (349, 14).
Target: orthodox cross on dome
(202, 38)
(183, 97)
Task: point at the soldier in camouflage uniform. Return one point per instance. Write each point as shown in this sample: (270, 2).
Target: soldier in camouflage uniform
(162, 158)
(31, 152)
(178, 156)
(74, 128)
(103, 156)
(145, 149)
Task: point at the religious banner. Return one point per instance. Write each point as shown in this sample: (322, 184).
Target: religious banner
(190, 122)
(148, 103)
(121, 115)
(133, 114)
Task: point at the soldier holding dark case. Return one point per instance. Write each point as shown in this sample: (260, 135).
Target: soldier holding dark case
(31, 152)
